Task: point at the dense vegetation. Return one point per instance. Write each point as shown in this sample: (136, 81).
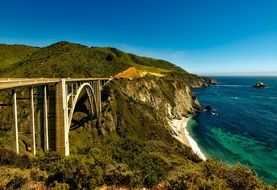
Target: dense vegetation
(129, 147)
(125, 162)
(66, 59)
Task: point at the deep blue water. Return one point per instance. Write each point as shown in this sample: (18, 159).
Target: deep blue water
(246, 130)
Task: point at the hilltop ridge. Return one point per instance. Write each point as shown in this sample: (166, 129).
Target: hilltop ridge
(65, 59)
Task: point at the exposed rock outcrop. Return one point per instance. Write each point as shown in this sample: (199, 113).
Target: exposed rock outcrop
(164, 98)
(131, 72)
(260, 85)
(208, 108)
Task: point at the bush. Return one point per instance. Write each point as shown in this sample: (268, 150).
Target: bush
(126, 149)
(61, 186)
(120, 174)
(236, 176)
(8, 157)
(38, 175)
(149, 169)
(76, 171)
(16, 183)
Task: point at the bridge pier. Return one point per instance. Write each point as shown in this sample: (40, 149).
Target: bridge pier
(97, 92)
(15, 123)
(33, 130)
(45, 118)
(62, 141)
(40, 117)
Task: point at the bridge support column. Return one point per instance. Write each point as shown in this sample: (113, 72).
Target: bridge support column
(46, 139)
(15, 122)
(33, 131)
(62, 131)
(97, 92)
(72, 93)
(99, 96)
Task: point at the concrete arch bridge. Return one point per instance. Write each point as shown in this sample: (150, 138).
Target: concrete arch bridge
(52, 104)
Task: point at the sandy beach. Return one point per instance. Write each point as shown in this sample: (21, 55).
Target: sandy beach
(180, 132)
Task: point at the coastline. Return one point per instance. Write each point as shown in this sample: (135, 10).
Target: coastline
(180, 132)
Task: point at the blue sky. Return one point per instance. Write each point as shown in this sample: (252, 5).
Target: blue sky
(202, 36)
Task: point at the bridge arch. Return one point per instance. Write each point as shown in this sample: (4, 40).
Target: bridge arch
(88, 89)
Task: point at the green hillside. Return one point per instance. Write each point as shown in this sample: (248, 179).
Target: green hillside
(64, 59)
(11, 54)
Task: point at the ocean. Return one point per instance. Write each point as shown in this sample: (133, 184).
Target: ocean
(242, 126)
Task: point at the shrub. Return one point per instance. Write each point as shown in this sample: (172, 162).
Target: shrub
(149, 169)
(76, 171)
(8, 157)
(16, 183)
(61, 186)
(120, 174)
(38, 175)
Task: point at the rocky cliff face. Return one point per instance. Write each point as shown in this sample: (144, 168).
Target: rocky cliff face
(160, 99)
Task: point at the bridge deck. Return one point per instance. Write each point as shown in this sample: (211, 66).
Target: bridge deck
(11, 83)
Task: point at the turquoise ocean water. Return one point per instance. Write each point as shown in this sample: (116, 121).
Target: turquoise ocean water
(242, 126)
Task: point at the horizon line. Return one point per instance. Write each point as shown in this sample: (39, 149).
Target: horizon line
(240, 74)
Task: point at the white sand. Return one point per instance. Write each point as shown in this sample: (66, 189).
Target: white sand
(181, 133)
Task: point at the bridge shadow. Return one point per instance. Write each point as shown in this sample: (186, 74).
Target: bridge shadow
(82, 113)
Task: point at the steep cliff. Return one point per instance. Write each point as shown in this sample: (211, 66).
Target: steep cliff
(164, 97)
